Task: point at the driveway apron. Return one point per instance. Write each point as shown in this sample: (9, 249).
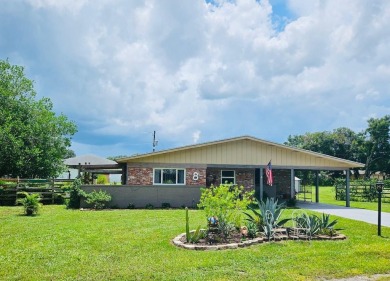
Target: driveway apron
(349, 213)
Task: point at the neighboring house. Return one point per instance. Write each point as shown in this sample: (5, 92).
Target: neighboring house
(95, 165)
(176, 175)
(376, 175)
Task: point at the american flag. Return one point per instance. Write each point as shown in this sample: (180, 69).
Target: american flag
(268, 173)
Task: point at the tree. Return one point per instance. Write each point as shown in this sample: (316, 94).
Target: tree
(342, 143)
(33, 139)
(69, 154)
(371, 146)
(377, 146)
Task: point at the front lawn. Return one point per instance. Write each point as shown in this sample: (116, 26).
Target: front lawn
(62, 244)
(327, 196)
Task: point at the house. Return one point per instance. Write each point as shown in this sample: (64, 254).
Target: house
(93, 165)
(176, 175)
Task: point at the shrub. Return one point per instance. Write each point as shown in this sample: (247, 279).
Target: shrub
(149, 206)
(98, 199)
(225, 228)
(31, 203)
(165, 205)
(102, 179)
(292, 202)
(252, 229)
(75, 194)
(131, 206)
(225, 202)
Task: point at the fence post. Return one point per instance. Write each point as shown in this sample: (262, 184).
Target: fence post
(347, 190)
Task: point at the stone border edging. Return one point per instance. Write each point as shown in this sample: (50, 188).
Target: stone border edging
(177, 242)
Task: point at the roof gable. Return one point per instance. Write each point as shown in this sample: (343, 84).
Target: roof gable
(243, 150)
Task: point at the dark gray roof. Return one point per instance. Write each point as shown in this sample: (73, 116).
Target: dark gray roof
(88, 159)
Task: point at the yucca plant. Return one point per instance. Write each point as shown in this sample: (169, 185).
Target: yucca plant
(31, 202)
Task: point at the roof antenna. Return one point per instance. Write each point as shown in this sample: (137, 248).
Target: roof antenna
(155, 142)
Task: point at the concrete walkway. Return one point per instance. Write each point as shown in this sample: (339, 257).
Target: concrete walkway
(350, 213)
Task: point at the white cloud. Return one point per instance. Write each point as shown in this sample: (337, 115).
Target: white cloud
(188, 68)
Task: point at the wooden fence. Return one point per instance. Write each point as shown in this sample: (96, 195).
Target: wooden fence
(51, 191)
(362, 192)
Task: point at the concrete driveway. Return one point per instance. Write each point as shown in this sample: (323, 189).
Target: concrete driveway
(350, 213)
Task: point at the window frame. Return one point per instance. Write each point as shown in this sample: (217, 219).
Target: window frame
(162, 176)
(234, 176)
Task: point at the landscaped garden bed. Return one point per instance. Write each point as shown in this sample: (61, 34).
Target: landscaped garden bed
(236, 240)
(227, 206)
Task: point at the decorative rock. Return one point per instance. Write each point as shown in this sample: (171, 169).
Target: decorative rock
(232, 246)
(178, 241)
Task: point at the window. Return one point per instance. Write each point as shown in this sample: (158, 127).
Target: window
(228, 176)
(169, 176)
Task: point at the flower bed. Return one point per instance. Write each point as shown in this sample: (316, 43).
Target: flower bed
(236, 241)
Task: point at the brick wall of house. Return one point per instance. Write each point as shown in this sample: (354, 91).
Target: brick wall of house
(140, 176)
(282, 180)
(244, 177)
(213, 177)
(144, 176)
(196, 176)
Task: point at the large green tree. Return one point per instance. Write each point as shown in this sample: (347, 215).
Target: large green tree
(377, 146)
(372, 146)
(33, 139)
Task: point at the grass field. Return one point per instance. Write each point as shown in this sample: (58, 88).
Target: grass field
(327, 195)
(61, 244)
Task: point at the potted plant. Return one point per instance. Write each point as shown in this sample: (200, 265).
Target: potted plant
(31, 203)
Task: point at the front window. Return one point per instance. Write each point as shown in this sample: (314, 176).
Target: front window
(169, 176)
(228, 177)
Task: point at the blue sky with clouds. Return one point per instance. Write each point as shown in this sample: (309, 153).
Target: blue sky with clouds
(197, 71)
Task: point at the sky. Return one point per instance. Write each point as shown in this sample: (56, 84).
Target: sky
(201, 70)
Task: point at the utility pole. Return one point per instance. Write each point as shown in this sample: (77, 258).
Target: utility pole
(155, 142)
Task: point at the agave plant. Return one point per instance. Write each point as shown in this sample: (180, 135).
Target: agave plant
(310, 223)
(327, 226)
(31, 203)
(268, 212)
(326, 223)
(268, 227)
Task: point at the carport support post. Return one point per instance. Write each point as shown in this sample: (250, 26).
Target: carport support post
(292, 189)
(347, 197)
(317, 188)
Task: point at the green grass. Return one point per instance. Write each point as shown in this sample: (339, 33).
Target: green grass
(327, 195)
(61, 244)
